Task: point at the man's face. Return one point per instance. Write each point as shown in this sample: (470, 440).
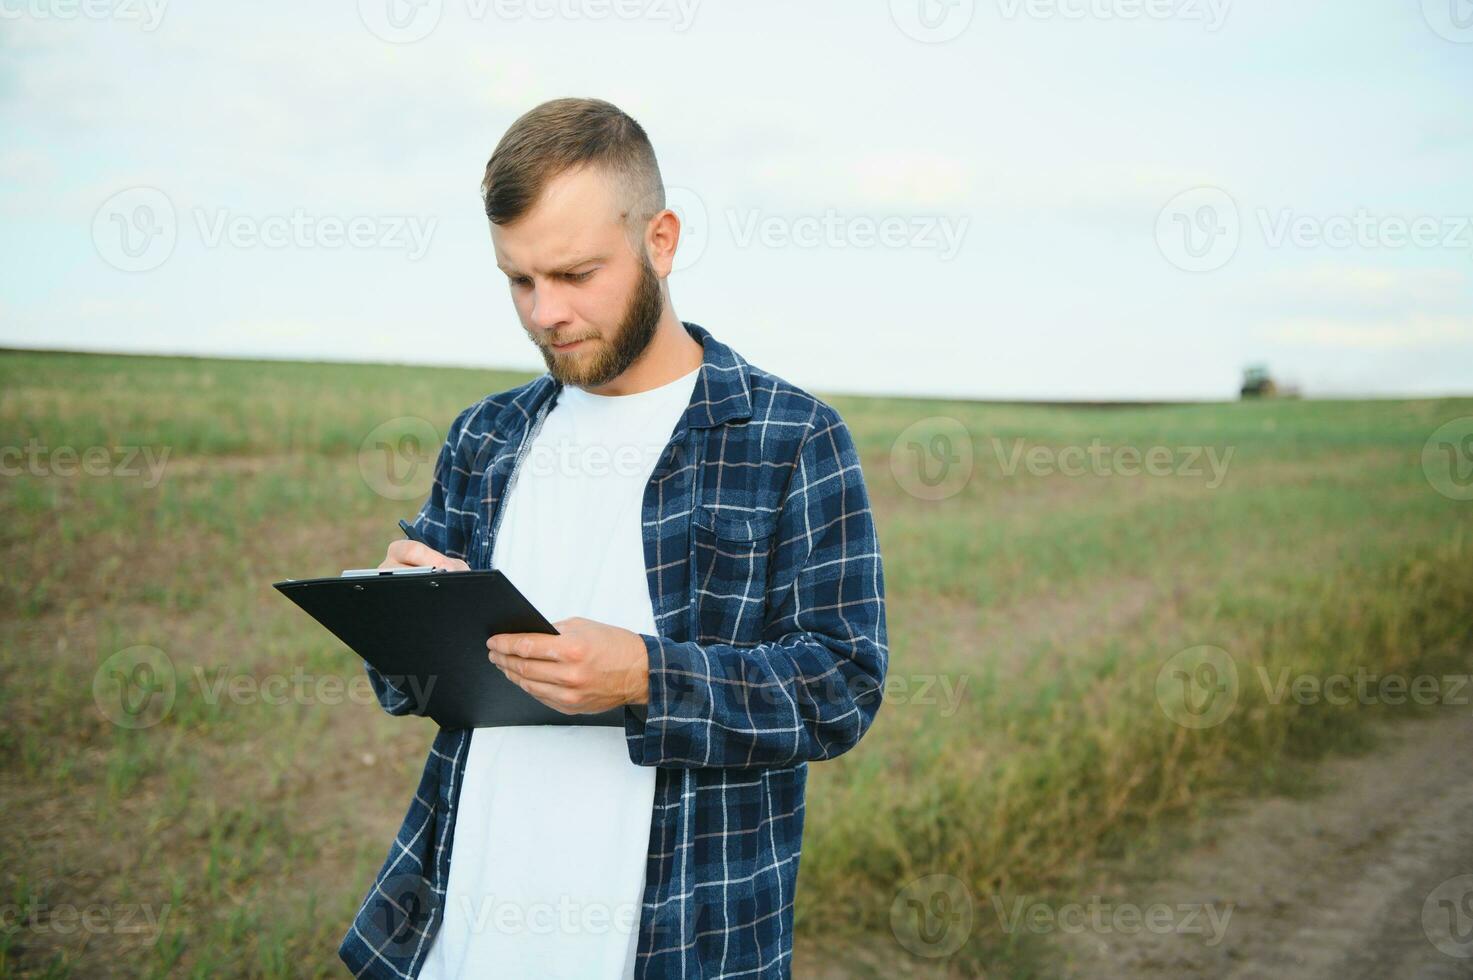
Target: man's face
(575, 279)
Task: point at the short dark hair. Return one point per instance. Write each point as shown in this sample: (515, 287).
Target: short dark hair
(565, 134)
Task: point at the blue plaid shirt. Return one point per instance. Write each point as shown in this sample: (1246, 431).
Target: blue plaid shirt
(765, 577)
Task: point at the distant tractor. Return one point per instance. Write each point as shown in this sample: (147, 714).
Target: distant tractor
(1257, 383)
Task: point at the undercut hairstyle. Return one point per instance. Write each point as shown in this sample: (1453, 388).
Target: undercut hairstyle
(565, 134)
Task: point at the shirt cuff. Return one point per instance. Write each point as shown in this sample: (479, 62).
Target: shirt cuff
(636, 716)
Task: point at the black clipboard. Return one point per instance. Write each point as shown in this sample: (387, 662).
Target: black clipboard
(426, 633)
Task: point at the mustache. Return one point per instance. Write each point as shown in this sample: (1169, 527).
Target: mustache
(561, 341)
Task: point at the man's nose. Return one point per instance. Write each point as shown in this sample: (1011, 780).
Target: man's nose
(549, 308)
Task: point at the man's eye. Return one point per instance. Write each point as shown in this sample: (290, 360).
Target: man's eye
(580, 276)
(519, 281)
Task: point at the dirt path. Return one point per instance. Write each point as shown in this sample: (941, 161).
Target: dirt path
(1337, 885)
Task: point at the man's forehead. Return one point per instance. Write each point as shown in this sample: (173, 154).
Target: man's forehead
(575, 218)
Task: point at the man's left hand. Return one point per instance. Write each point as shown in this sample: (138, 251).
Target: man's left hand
(587, 667)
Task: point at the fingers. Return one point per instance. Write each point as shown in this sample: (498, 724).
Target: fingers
(412, 554)
(404, 553)
(522, 668)
(533, 646)
(539, 679)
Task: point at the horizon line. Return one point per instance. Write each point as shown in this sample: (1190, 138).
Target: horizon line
(8, 347)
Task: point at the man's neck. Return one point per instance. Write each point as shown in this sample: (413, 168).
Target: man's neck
(673, 353)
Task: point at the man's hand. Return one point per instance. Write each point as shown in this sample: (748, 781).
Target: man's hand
(411, 554)
(588, 667)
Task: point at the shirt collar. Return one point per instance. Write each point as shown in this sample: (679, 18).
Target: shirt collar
(723, 390)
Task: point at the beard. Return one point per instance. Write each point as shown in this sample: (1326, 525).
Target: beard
(602, 359)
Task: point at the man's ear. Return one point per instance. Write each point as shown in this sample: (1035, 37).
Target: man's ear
(661, 236)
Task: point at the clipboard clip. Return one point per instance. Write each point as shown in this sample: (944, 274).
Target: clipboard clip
(401, 572)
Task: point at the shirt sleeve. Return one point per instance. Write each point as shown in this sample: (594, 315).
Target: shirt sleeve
(437, 525)
(811, 689)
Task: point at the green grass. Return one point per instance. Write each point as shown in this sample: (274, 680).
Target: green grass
(1044, 607)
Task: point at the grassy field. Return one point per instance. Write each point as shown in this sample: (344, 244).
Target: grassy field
(1036, 620)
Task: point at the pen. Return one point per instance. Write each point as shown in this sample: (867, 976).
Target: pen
(411, 533)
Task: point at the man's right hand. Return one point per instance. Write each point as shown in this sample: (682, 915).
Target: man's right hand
(404, 553)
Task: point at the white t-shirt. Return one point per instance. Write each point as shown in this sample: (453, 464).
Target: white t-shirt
(552, 832)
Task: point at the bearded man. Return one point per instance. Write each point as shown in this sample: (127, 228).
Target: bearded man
(699, 533)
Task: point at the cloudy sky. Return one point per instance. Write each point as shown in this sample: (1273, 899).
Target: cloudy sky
(986, 198)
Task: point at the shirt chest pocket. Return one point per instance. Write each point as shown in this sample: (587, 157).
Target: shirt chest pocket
(731, 553)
